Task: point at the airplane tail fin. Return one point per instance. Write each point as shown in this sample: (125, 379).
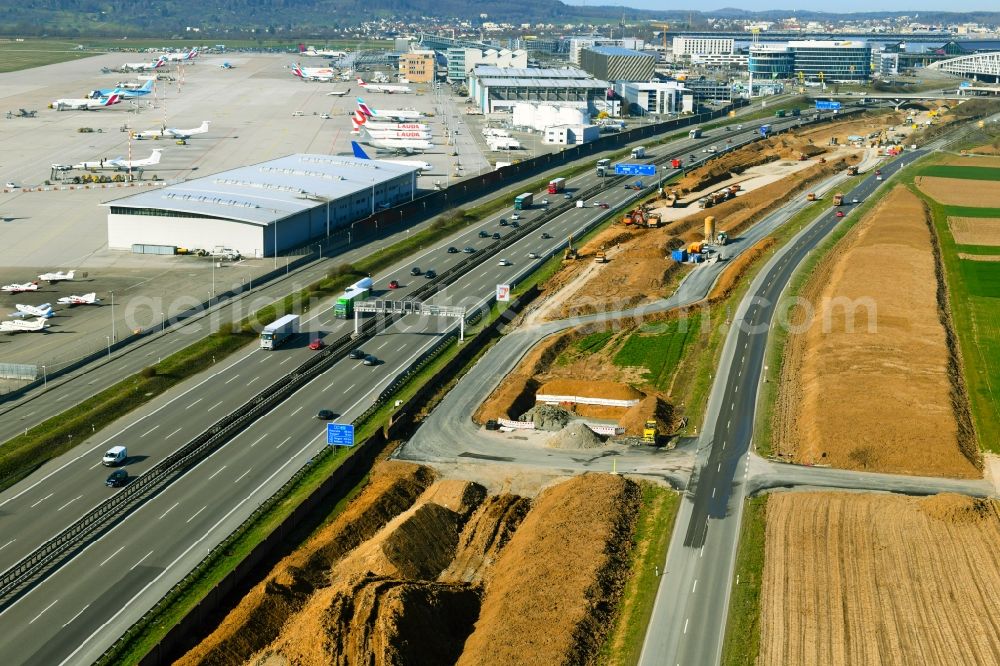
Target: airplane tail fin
(296, 70)
(160, 62)
(71, 274)
(113, 98)
(364, 108)
(359, 152)
(361, 82)
(147, 86)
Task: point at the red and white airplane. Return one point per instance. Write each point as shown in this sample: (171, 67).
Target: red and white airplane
(391, 133)
(399, 115)
(383, 87)
(313, 73)
(359, 119)
(181, 56)
(20, 288)
(143, 66)
(86, 103)
(86, 299)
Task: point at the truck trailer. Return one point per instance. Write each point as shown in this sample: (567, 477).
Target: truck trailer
(357, 292)
(278, 331)
(557, 185)
(638, 152)
(523, 201)
(603, 166)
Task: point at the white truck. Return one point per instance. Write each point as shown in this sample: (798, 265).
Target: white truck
(638, 152)
(278, 331)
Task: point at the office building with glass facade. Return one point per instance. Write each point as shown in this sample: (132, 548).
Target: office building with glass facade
(813, 60)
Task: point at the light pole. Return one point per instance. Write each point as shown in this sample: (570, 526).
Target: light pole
(213, 279)
(114, 332)
(275, 248)
(45, 378)
(163, 322)
(108, 338)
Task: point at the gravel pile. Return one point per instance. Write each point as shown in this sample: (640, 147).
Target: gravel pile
(574, 436)
(547, 417)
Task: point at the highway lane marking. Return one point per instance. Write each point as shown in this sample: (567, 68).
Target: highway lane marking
(96, 464)
(732, 406)
(701, 553)
(283, 442)
(150, 430)
(383, 344)
(169, 510)
(252, 380)
(194, 403)
(348, 389)
(240, 477)
(43, 611)
(8, 543)
(713, 491)
(723, 445)
(257, 441)
(172, 434)
(695, 586)
(69, 502)
(686, 625)
(297, 410)
(233, 378)
(196, 513)
(177, 559)
(217, 472)
(286, 360)
(140, 561)
(42, 500)
(214, 406)
(266, 357)
(110, 556)
(76, 616)
(719, 470)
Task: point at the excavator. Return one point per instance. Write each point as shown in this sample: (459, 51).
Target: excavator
(570, 253)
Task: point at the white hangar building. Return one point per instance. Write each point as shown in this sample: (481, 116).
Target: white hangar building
(263, 208)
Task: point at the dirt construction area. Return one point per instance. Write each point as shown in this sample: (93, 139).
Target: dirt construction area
(419, 570)
(868, 380)
(960, 191)
(880, 579)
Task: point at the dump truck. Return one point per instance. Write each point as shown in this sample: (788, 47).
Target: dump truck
(852, 170)
(601, 257)
(277, 332)
(721, 238)
(838, 199)
(811, 196)
(650, 432)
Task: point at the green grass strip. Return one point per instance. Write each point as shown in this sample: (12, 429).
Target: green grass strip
(963, 172)
(742, 642)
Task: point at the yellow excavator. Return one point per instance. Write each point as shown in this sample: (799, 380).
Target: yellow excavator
(570, 253)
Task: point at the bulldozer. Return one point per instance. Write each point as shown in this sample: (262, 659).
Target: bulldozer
(650, 432)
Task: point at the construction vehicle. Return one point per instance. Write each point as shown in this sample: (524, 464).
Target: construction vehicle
(570, 253)
(852, 170)
(811, 196)
(721, 238)
(650, 432)
(601, 256)
(838, 199)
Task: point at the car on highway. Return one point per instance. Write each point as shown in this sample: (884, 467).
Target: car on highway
(515, 216)
(316, 344)
(854, 201)
(469, 250)
(393, 284)
(356, 355)
(567, 196)
(324, 415)
(496, 236)
(370, 360)
(503, 222)
(117, 478)
(415, 271)
(515, 224)
(840, 213)
(546, 236)
(452, 250)
(532, 255)
(430, 274)
(602, 204)
(545, 202)
(484, 234)
(739, 127)
(10, 185)
(503, 262)
(116, 455)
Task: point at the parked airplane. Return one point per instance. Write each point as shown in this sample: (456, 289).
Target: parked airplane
(119, 164)
(23, 326)
(383, 87)
(173, 132)
(180, 56)
(143, 66)
(338, 93)
(86, 299)
(20, 288)
(359, 119)
(394, 133)
(124, 93)
(44, 311)
(86, 104)
(322, 53)
(57, 276)
(394, 114)
(360, 153)
(313, 73)
(395, 144)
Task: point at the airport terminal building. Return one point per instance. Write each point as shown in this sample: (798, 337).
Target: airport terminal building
(261, 209)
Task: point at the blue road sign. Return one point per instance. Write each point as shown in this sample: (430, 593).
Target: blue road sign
(340, 434)
(826, 105)
(635, 169)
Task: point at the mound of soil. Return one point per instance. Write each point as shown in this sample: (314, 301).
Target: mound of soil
(737, 268)
(590, 389)
(550, 596)
(547, 417)
(958, 509)
(260, 615)
(484, 536)
(651, 407)
(574, 436)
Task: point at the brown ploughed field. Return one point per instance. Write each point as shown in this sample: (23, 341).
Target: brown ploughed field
(868, 383)
(975, 230)
(880, 579)
(960, 191)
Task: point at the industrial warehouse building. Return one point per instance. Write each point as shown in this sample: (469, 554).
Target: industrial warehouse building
(501, 88)
(613, 63)
(261, 209)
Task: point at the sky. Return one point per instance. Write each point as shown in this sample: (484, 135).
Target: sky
(842, 6)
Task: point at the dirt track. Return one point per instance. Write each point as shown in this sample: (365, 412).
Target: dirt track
(879, 579)
(960, 191)
(866, 384)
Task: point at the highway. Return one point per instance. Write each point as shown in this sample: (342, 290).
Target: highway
(692, 601)
(77, 612)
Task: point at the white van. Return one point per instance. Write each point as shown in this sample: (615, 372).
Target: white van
(116, 455)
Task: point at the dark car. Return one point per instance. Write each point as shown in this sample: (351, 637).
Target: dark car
(515, 224)
(117, 478)
(370, 360)
(470, 250)
(496, 236)
(324, 415)
(484, 234)
(503, 222)
(430, 275)
(415, 271)
(546, 236)
(356, 354)
(601, 204)
(452, 250)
